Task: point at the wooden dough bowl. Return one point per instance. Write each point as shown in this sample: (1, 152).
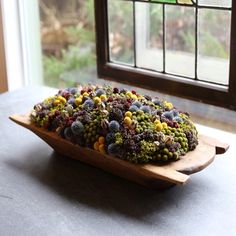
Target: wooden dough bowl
(149, 175)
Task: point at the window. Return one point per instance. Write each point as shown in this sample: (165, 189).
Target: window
(3, 76)
(52, 42)
(68, 42)
(182, 47)
(20, 20)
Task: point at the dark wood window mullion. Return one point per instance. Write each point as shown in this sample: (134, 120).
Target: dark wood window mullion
(232, 74)
(108, 53)
(196, 40)
(102, 34)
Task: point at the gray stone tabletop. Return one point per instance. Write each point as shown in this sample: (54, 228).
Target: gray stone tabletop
(42, 193)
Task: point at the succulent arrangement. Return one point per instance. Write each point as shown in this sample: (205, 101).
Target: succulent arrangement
(118, 122)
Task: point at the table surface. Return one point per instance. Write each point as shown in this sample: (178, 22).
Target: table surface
(42, 193)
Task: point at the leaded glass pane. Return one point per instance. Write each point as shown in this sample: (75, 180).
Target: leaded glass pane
(187, 38)
(180, 40)
(218, 3)
(149, 36)
(214, 45)
(120, 24)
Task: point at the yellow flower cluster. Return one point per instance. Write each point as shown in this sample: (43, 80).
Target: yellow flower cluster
(127, 120)
(160, 126)
(59, 100)
(99, 145)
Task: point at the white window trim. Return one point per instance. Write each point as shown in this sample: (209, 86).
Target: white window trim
(22, 42)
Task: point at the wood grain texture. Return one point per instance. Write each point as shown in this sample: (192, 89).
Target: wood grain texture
(149, 175)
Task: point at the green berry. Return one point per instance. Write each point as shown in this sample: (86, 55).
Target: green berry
(158, 157)
(180, 139)
(164, 158)
(165, 151)
(175, 156)
(170, 154)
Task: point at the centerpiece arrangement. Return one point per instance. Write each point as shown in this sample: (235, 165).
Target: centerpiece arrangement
(118, 122)
(143, 139)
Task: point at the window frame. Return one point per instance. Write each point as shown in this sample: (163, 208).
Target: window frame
(174, 85)
(21, 39)
(3, 74)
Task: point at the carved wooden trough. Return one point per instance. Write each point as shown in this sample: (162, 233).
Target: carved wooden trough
(149, 175)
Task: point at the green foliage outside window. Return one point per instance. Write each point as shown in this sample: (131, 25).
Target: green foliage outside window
(77, 58)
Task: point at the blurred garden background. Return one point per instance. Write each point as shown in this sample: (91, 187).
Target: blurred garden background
(68, 41)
